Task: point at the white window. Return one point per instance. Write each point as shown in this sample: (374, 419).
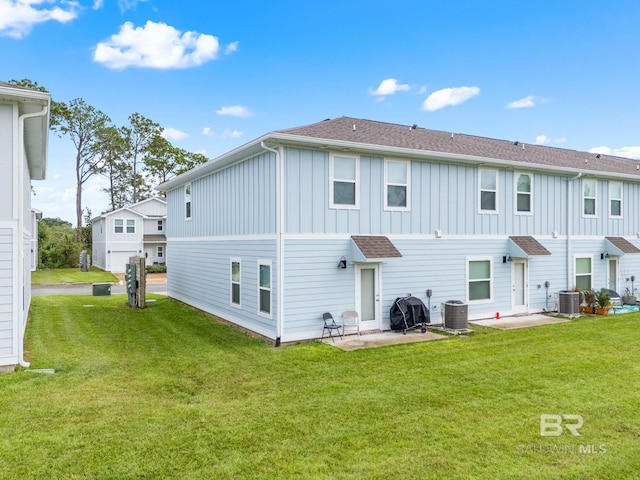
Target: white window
(480, 288)
(159, 251)
(160, 225)
(187, 201)
(235, 282)
(344, 182)
(583, 273)
(615, 199)
(488, 191)
(524, 192)
(131, 225)
(264, 288)
(396, 180)
(118, 225)
(589, 197)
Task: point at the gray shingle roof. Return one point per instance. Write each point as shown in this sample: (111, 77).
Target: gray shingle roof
(530, 245)
(154, 238)
(376, 246)
(370, 132)
(623, 244)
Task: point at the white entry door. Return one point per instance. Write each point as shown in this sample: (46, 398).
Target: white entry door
(368, 296)
(519, 282)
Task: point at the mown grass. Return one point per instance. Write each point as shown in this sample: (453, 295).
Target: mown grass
(54, 276)
(168, 392)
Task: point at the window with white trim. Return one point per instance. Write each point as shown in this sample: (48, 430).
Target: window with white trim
(479, 283)
(160, 226)
(131, 225)
(589, 197)
(524, 193)
(159, 251)
(396, 180)
(118, 225)
(584, 272)
(615, 199)
(235, 282)
(488, 191)
(264, 287)
(344, 181)
(187, 201)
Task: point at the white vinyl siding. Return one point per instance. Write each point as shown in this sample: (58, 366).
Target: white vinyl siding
(584, 272)
(524, 193)
(344, 182)
(615, 199)
(235, 282)
(397, 182)
(264, 288)
(480, 288)
(488, 191)
(589, 196)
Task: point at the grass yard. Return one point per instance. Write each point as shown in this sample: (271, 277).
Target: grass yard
(169, 393)
(54, 276)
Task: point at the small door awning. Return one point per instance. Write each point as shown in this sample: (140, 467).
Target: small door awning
(619, 246)
(525, 247)
(372, 248)
(154, 239)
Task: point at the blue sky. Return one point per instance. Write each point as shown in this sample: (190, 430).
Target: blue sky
(216, 75)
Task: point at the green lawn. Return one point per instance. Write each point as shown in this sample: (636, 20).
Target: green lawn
(167, 392)
(54, 276)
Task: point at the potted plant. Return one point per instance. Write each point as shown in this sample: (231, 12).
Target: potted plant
(589, 301)
(629, 298)
(603, 300)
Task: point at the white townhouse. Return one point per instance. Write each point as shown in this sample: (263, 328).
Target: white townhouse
(349, 214)
(135, 230)
(24, 130)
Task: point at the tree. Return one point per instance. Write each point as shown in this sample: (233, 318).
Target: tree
(139, 135)
(83, 124)
(111, 147)
(54, 114)
(57, 247)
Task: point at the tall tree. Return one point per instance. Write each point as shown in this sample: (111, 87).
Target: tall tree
(139, 134)
(111, 147)
(83, 124)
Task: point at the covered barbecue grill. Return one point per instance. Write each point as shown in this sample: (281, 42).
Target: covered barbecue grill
(407, 313)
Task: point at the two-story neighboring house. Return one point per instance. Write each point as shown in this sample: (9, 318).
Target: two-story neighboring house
(136, 230)
(24, 127)
(351, 214)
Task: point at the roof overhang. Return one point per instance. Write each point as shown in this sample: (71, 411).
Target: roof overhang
(525, 247)
(619, 246)
(372, 249)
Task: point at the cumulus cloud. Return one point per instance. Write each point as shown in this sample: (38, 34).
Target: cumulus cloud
(544, 140)
(449, 97)
(156, 45)
(239, 111)
(17, 17)
(628, 152)
(232, 47)
(173, 134)
(525, 102)
(389, 87)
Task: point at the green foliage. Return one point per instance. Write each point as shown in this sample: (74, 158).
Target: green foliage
(603, 298)
(590, 297)
(156, 268)
(57, 246)
(71, 275)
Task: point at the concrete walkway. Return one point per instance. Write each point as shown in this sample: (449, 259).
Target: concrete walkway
(524, 321)
(369, 340)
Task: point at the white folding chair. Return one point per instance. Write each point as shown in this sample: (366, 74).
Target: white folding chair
(351, 320)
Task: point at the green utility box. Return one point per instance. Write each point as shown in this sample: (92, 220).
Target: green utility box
(101, 289)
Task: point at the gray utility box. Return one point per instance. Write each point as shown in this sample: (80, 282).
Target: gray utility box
(101, 289)
(456, 315)
(568, 302)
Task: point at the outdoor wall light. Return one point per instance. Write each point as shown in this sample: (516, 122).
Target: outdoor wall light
(506, 258)
(604, 255)
(342, 263)
(108, 251)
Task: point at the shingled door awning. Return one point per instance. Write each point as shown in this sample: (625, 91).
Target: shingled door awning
(372, 248)
(525, 247)
(619, 246)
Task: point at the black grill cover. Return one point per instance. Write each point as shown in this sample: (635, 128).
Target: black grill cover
(407, 312)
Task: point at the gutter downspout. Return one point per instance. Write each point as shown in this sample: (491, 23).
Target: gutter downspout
(570, 224)
(279, 242)
(20, 196)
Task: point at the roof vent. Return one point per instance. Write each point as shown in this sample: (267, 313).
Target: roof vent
(414, 126)
(354, 127)
(516, 142)
(598, 155)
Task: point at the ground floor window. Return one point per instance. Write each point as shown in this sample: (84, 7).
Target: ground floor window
(264, 287)
(235, 282)
(160, 251)
(583, 273)
(479, 283)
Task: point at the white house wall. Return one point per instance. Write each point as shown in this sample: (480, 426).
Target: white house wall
(7, 252)
(6, 161)
(99, 244)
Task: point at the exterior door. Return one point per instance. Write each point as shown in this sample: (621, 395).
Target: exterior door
(519, 283)
(368, 296)
(612, 275)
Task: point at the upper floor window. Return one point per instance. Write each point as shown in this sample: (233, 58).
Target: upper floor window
(344, 181)
(118, 225)
(131, 225)
(397, 181)
(524, 190)
(160, 225)
(589, 197)
(479, 280)
(187, 201)
(615, 199)
(488, 190)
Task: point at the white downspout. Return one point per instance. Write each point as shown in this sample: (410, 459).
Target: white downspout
(279, 242)
(570, 225)
(20, 216)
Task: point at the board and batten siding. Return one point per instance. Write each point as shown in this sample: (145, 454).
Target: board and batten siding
(6, 294)
(200, 275)
(237, 200)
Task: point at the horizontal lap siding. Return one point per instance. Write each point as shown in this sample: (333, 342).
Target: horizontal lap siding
(6, 293)
(199, 274)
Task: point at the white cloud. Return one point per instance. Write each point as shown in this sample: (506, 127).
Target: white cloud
(207, 131)
(156, 45)
(449, 97)
(98, 4)
(227, 133)
(232, 47)
(389, 87)
(17, 17)
(544, 140)
(627, 152)
(125, 5)
(235, 111)
(525, 102)
(173, 134)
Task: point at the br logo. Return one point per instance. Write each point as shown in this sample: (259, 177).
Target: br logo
(551, 425)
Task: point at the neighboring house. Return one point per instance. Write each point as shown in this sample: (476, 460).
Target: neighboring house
(24, 129)
(258, 236)
(136, 230)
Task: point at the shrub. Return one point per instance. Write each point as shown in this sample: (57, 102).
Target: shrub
(156, 269)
